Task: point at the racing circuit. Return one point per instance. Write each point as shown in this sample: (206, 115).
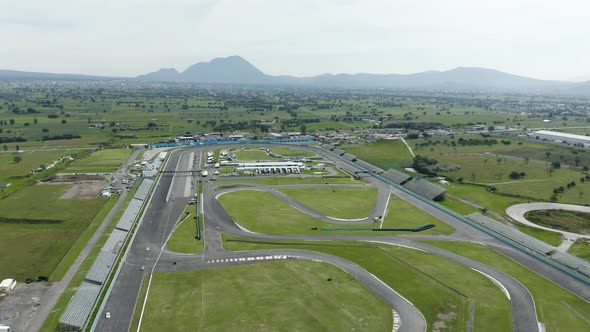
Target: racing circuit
(172, 193)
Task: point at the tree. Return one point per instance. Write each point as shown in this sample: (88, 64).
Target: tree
(526, 160)
(577, 161)
(4, 147)
(35, 121)
(555, 164)
(64, 121)
(17, 147)
(17, 159)
(303, 128)
(11, 121)
(548, 154)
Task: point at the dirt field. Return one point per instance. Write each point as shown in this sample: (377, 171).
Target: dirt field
(17, 308)
(84, 186)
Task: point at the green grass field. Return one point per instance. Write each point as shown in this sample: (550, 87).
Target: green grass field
(383, 154)
(261, 212)
(403, 214)
(287, 152)
(183, 239)
(483, 197)
(344, 203)
(581, 248)
(39, 229)
(492, 164)
(270, 296)
(570, 221)
(282, 180)
(252, 155)
(102, 161)
(559, 309)
(434, 285)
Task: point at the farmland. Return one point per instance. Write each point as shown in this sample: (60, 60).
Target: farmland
(39, 237)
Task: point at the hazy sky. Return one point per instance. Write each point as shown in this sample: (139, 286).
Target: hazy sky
(543, 39)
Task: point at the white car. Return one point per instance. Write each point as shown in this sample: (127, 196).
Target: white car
(147, 249)
(108, 315)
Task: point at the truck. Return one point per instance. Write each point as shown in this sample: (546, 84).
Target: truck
(162, 155)
(204, 173)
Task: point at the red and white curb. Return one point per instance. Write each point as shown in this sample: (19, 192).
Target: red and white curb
(248, 259)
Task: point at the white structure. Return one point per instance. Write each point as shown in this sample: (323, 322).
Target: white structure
(4, 328)
(7, 285)
(150, 171)
(271, 166)
(162, 156)
(565, 138)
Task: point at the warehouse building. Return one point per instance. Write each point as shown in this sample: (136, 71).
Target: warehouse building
(563, 138)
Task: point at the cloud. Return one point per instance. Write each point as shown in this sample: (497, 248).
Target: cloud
(303, 37)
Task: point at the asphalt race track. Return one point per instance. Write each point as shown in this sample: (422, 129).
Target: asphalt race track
(161, 215)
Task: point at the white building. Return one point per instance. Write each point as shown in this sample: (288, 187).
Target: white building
(563, 138)
(271, 166)
(7, 285)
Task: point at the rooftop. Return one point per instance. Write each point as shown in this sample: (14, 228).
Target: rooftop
(562, 135)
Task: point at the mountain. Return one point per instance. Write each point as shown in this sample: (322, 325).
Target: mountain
(15, 75)
(236, 70)
(164, 74)
(233, 69)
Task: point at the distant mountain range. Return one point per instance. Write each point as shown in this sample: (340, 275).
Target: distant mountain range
(236, 70)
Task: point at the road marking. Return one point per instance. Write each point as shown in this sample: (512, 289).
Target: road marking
(495, 282)
(249, 259)
(385, 211)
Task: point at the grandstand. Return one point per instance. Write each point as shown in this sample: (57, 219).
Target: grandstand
(339, 152)
(511, 233)
(369, 167)
(75, 316)
(328, 147)
(538, 247)
(80, 306)
(396, 176)
(424, 188)
(572, 262)
(349, 157)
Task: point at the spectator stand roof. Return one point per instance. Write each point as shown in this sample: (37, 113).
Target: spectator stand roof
(144, 189)
(339, 152)
(130, 215)
(396, 176)
(79, 308)
(369, 167)
(424, 188)
(513, 234)
(101, 267)
(328, 147)
(572, 262)
(349, 157)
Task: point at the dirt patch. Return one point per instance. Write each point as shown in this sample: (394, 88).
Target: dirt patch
(84, 190)
(19, 307)
(440, 325)
(83, 186)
